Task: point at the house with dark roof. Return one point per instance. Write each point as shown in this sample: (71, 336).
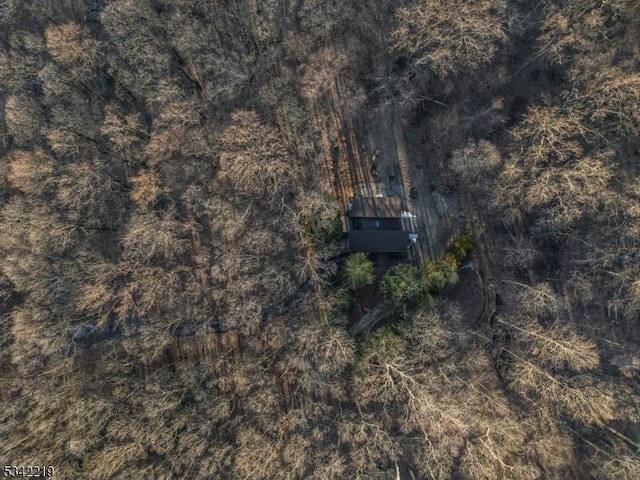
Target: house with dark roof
(375, 225)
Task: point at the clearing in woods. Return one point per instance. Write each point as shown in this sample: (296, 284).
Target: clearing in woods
(365, 154)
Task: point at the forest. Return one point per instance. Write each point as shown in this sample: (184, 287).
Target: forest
(175, 301)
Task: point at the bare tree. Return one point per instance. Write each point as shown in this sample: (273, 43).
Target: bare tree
(73, 46)
(450, 37)
(256, 160)
(30, 227)
(91, 195)
(549, 135)
(123, 129)
(558, 346)
(32, 172)
(24, 117)
(477, 161)
(146, 189)
(149, 237)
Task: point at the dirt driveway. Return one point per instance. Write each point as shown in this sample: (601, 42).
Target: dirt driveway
(385, 135)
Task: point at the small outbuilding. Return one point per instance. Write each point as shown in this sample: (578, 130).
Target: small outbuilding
(376, 225)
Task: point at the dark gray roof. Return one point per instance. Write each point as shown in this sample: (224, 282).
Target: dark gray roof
(378, 241)
(376, 207)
